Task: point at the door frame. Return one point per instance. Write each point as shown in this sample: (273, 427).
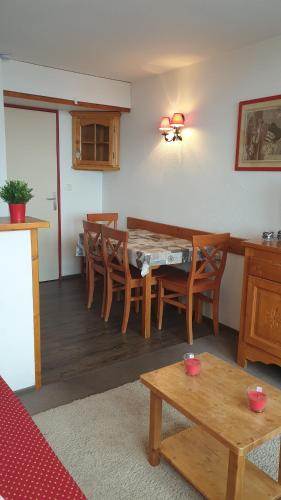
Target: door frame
(56, 112)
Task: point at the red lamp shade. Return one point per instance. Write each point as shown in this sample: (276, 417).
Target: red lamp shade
(165, 124)
(177, 120)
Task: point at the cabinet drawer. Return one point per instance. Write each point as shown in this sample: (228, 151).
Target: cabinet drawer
(263, 315)
(264, 269)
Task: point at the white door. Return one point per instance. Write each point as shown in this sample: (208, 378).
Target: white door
(31, 156)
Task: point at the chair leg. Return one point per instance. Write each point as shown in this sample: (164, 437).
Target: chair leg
(103, 296)
(198, 309)
(82, 265)
(91, 285)
(216, 311)
(156, 290)
(160, 305)
(137, 302)
(108, 301)
(127, 307)
(86, 267)
(188, 320)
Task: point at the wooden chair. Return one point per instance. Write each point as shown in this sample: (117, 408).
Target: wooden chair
(109, 219)
(120, 275)
(207, 267)
(94, 256)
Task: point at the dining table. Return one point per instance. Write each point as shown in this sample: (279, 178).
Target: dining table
(148, 250)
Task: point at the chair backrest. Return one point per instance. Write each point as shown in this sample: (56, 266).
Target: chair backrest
(109, 219)
(209, 258)
(115, 250)
(93, 241)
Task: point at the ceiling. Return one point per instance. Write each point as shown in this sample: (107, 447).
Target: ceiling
(131, 39)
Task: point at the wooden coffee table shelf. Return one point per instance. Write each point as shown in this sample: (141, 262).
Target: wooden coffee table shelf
(203, 461)
(212, 454)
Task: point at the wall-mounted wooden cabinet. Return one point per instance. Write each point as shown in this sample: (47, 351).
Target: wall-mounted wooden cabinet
(95, 140)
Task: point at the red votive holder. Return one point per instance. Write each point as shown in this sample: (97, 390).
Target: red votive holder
(257, 398)
(192, 364)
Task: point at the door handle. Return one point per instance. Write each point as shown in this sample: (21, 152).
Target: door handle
(54, 200)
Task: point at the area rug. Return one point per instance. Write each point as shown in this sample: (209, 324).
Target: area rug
(102, 441)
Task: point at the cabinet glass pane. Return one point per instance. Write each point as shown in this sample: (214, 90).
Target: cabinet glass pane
(87, 151)
(102, 143)
(88, 132)
(102, 133)
(102, 152)
(88, 142)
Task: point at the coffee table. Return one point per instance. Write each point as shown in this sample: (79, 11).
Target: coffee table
(211, 454)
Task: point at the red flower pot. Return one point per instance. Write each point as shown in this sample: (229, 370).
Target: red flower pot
(17, 212)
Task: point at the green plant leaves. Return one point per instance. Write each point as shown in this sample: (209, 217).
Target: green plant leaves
(16, 191)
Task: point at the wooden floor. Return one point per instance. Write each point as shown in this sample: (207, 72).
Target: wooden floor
(76, 340)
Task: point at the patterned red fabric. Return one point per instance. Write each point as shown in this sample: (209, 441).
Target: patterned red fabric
(29, 469)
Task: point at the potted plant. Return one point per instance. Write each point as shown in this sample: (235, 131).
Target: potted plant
(16, 193)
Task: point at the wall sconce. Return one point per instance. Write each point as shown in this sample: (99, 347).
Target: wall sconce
(171, 129)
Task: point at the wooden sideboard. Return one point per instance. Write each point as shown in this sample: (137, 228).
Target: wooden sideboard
(260, 324)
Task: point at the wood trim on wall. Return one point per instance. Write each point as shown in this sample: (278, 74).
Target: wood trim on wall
(58, 190)
(36, 307)
(235, 247)
(65, 102)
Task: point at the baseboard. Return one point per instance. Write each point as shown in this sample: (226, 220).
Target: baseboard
(70, 276)
(62, 278)
(26, 390)
(222, 325)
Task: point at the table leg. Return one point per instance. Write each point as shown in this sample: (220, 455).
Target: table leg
(82, 265)
(146, 306)
(235, 480)
(155, 429)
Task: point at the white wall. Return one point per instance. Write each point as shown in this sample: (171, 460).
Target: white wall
(193, 183)
(3, 207)
(39, 80)
(16, 310)
(81, 193)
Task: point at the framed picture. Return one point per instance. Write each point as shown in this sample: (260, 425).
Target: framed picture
(258, 144)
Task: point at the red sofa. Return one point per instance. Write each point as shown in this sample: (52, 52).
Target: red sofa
(29, 469)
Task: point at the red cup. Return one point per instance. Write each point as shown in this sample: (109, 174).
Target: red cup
(257, 398)
(192, 364)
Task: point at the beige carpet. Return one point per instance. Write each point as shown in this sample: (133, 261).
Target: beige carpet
(102, 441)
